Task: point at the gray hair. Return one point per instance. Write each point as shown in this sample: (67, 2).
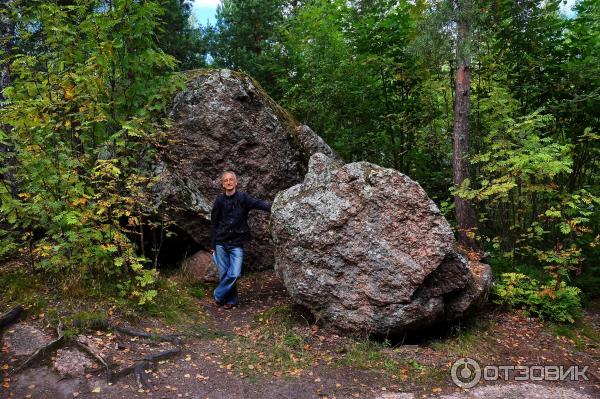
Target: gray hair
(228, 172)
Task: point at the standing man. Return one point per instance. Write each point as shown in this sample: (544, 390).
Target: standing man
(229, 232)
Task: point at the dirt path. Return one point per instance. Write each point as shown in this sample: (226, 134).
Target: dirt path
(266, 348)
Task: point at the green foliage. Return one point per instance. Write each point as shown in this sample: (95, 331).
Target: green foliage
(561, 304)
(86, 108)
(516, 189)
(376, 80)
(91, 80)
(589, 282)
(244, 34)
(174, 304)
(343, 69)
(8, 245)
(86, 320)
(19, 286)
(179, 38)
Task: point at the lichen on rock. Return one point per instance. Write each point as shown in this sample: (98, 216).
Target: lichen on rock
(224, 120)
(366, 250)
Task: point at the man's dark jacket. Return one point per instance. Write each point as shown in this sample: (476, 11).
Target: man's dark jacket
(229, 218)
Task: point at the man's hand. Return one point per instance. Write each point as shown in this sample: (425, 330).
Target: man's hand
(212, 251)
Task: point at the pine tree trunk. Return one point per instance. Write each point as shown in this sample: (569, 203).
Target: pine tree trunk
(466, 217)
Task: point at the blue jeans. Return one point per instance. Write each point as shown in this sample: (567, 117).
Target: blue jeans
(229, 264)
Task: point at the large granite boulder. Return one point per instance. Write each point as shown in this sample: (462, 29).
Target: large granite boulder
(224, 120)
(366, 250)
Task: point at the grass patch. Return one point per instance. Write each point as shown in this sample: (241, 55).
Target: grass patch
(83, 303)
(373, 355)
(589, 331)
(173, 304)
(210, 334)
(198, 290)
(367, 354)
(273, 346)
(582, 334)
(21, 287)
(88, 320)
(469, 338)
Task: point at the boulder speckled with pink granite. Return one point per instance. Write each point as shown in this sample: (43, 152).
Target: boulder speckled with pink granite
(367, 251)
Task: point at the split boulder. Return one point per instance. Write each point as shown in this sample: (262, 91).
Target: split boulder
(223, 120)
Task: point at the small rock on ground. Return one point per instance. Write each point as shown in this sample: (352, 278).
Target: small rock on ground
(71, 362)
(24, 339)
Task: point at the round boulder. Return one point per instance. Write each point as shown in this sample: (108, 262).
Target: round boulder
(367, 251)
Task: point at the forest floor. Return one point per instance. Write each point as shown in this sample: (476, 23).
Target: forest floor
(268, 348)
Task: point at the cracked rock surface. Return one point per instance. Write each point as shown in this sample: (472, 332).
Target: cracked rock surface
(222, 121)
(367, 251)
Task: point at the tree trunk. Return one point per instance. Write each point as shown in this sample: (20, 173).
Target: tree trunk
(466, 217)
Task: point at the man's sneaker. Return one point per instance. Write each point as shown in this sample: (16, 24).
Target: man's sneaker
(216, 303)
(229, 305)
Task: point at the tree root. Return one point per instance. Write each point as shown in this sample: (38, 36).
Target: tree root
(44, 351)
(139, 368)
(169, 338)
(98, 358)
(10, 316)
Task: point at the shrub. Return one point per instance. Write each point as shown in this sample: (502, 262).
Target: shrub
(87, 109)
(542, 300)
